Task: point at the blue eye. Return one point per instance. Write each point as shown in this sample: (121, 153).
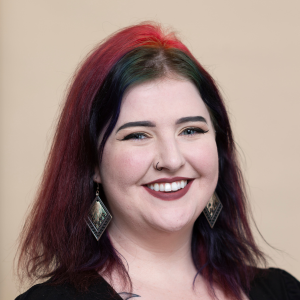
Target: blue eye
(193, 131)
(135, 136)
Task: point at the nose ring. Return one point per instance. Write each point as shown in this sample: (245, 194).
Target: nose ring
(158, 169)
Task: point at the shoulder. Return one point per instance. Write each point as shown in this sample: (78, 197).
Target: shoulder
(274, 284)
(99, 290)
(46, 292)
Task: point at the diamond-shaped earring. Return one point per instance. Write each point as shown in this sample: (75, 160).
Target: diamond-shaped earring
(213, 209)
(98, 217)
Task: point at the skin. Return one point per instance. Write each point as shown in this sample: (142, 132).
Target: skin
(154, 235)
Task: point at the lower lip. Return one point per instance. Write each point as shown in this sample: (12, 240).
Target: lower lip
(169, 196)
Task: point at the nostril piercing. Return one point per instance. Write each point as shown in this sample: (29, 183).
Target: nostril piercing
(158, 169)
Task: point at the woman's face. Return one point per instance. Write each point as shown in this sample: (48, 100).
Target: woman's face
(162, 122)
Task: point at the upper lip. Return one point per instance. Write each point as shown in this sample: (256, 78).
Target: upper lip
(168, 180)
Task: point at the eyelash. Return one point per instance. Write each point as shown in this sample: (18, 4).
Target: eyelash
(134, 136)
(137, 135)
(196, 130)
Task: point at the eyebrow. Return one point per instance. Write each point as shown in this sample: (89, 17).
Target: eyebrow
(191, 119)
(136, 124)
(151, 124)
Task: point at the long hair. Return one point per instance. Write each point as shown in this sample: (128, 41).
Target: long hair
(56, 242)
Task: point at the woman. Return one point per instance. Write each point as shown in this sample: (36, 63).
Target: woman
(142, 148)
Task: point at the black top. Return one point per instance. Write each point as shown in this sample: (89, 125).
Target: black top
(271, 284)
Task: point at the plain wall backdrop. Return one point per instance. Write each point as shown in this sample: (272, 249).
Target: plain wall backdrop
(252, 50)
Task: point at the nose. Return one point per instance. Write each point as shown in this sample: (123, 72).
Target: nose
(170, 157)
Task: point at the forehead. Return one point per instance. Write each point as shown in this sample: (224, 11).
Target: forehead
(162, 100)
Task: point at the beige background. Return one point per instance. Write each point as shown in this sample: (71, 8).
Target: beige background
(251, 48)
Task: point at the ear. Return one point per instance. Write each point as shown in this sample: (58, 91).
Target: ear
(96, 176)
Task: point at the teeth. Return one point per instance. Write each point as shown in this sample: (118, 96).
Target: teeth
(168, 187)
(174, 186)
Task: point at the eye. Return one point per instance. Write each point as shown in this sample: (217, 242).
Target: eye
(193, 131)
(135, 136)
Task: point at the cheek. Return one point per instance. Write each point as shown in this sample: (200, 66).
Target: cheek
(120, 172)
(124, 166)
(205, 160)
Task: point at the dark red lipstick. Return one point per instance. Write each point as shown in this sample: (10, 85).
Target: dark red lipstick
(168, 196)
(169, 180)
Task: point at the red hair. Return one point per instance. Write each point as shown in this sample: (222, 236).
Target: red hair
(54, 234)
(55, 241)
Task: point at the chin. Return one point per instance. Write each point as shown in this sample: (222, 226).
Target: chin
(171, 223)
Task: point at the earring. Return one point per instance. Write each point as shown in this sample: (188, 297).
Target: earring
(213, 209)
(98, 217)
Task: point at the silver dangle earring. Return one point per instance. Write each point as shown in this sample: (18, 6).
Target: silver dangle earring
(213, 209)
(98, 216)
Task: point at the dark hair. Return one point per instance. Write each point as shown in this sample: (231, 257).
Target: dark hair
(56, 241)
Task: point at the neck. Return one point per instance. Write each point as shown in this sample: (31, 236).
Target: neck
(159, 252)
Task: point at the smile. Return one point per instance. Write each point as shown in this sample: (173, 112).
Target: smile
(169, 189)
